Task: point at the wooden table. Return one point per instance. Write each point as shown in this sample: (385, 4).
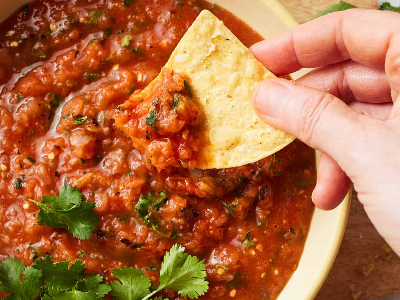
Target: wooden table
(362, 243)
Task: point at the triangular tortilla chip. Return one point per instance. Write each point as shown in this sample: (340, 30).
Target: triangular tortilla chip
(223, 75)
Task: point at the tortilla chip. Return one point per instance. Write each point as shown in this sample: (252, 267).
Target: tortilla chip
(223, 74)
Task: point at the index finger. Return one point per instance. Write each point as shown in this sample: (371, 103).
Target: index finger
(361, 35)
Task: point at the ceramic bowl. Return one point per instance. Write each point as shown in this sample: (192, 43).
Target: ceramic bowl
(269, 18)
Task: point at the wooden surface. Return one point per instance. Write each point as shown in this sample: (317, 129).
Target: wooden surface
(304, 10)
(362, 243)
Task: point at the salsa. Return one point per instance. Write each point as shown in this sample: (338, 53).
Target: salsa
(66, 67)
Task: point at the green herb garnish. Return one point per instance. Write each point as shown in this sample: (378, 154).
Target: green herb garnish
(79, 119)
(69, 211)
(65, 281)
(91, 76)
(18, 182)
(27, 288)
(107, 32)
(292, 230)
(248, 242)
(187, 88)
(94, 17)
(125, 41)
(55, 100)
(175, 104)
(31, 159)
(151, 118)
(137, 51)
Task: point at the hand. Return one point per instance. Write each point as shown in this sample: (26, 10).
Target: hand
(349, 108)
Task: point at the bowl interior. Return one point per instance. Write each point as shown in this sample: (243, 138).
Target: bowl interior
(269, 18)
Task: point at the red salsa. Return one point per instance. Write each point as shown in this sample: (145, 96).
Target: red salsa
(66, 67)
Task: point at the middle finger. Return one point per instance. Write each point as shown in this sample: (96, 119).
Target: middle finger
(350, 81)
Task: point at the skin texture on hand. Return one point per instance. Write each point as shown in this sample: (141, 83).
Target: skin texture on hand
(348, 107)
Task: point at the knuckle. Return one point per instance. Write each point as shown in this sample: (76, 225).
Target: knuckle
(311, 115)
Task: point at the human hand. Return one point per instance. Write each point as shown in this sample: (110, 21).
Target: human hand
(358, 55)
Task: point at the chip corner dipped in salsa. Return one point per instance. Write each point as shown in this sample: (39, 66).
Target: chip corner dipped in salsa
(100, 192)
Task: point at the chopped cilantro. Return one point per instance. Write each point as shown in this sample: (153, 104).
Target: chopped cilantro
(128, 3)
(18, 182)
(187, 88)
(54, 99)
(79, 119)
(94, 17)
(292, 230)
(19, 97)
(181, 3)
(229, 207)
(69, 211)
(151, 268)
(238, 279)
(39, 54)
(161, 200)
(25, 9)
(175, 235)
(123, 219)
(11, 273)
(151, 118)
(107, 32)
(137, 51)
(125, 41)
(121, 31)
(91, 76)
(80, 254)
(248, 242)
(149, 204)
(175, 104)
(32, 160)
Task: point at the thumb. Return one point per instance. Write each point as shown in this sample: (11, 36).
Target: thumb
(319, 119)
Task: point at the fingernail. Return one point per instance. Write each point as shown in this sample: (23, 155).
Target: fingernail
(269, 98)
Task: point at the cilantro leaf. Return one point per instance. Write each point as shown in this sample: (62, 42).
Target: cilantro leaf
(94, 283)
(151, 118)
(334, 8)
(248, 242)
(69, 196)
(388, 6)
(125, 41)
(94, 17)
(132, 285)
(107, 32)
(80, 120)
(73, 295)
(183, 273)
(60, 275)
(187, 88)
(68, 211)
(10, 280)
(175, 104)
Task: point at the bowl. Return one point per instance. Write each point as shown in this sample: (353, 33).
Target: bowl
(269, 18)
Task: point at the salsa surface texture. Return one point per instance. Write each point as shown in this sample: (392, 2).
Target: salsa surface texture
(65, 67)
